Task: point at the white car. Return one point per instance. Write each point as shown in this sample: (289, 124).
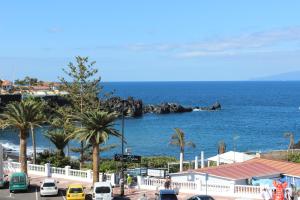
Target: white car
(102, 191)
(49, 188)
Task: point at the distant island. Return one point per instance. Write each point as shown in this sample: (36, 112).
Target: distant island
(288, 76)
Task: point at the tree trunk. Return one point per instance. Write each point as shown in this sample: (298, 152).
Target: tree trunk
(23, 148)
(81, 162)
(181, 162)
(68, 150)
(61, 153)
(33, 144)
(95, 163)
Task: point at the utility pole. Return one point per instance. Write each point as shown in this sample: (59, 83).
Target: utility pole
(122, 162)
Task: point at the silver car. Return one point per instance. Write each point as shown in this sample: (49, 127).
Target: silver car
(49, 188)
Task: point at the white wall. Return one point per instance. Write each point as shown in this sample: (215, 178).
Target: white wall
(200, 178)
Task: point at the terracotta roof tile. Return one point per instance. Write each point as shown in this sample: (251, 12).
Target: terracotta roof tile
(242, 170)
(286, 167)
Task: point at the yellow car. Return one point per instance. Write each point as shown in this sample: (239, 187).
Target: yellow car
(75, 192)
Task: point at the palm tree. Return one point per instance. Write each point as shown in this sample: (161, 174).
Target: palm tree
(221, 147)
(20, 115)
(88, 150)
(96, 127)
(59, 138)
(36, 122)
(178, 139)
(60, 120)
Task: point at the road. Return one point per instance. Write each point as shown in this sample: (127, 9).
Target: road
(32, 194)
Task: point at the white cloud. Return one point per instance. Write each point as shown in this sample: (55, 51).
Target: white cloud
(192, 54)
(256, 41)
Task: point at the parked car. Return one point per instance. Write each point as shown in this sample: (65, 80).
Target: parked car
(166, 195)
(75, 192)
(19, 181)
(3, 181)
(102, 191)
(201, 197)
(49, 188)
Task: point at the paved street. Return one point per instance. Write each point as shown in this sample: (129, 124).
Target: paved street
(34, 194)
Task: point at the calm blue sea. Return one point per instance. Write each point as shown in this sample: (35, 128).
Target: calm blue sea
(255, 113)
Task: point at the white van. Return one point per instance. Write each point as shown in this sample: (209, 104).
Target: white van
(102, 191)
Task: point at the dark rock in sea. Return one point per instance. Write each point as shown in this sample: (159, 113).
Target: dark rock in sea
(132, 107)
(166, 108)
(135, 108)
(215, 106)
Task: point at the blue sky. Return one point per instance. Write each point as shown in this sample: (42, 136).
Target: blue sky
(151, 40)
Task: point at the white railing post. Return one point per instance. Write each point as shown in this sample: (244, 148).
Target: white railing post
(67, 170)
(231, 189)
(199, 185)
(47, 170)
(139, 181)
(113, 179)
(196, 162)
(89, 174)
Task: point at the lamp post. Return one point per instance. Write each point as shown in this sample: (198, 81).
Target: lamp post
(122, 162)
(235, 137)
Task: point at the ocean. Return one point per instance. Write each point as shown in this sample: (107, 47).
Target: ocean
(254, 117)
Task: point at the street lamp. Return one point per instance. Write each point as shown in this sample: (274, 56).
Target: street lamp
(122, 162)
(235, 138)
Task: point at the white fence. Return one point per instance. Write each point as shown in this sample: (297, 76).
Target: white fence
(242, 191)
(46, 170)
(56, 172)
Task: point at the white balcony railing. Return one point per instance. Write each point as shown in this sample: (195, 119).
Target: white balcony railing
(244, 191)
(48, 171)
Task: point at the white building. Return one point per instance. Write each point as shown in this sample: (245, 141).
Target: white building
(230, 157)
(230, 174)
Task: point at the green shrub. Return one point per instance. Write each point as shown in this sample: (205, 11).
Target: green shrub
(56, 160)
(294, 157)
(157, 162)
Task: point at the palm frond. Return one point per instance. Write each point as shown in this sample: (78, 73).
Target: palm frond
(95, 126)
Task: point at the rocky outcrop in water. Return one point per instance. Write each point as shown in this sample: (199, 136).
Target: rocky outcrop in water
(132, 107)
(215, 106)
(135, 108)
(166, 108)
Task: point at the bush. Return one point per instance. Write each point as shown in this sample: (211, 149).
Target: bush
(157, 162)
(294, 157)
(109, 165)
(56, 160)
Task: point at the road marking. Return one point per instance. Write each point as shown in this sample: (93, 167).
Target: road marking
(36, 194)
(62, 195)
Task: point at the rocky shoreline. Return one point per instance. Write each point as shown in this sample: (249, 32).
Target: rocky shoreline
(132, 107)
(136, 108)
